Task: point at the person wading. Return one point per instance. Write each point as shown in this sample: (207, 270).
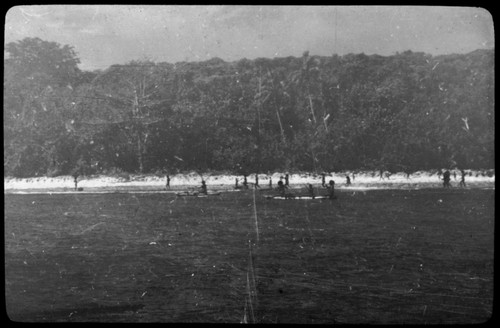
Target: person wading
(462, 180)
(331, 190)
(446, 179)
(281, 188)
(310, 189)
(203, 188)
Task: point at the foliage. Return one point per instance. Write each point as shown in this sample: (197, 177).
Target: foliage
(405, 112)
(39, 82)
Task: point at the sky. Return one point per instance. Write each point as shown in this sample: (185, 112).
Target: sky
(106, 35)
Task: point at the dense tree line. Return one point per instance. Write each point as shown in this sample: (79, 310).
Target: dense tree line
(405, 112)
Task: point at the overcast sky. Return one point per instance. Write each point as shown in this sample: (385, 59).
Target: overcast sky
(106, 35)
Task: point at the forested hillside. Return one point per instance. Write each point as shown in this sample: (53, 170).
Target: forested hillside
(406, 112)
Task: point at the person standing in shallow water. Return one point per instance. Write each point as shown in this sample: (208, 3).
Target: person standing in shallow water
(462, 180)
(331, 190)
(446, 179)
(310, 189)
(323, 183)
(348, 180)
(167, 186)
(281, 188)
(203, 188)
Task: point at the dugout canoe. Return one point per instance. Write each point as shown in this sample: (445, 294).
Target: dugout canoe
(297, 197)
(197, 194)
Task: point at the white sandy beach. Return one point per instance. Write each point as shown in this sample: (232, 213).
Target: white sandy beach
(361, 180)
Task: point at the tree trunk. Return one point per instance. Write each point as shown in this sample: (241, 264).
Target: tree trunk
(258, 110)
(312, 109)
(140, 156)
(281, 126)
(313, 159)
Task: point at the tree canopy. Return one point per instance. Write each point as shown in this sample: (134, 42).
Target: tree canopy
(404, 112)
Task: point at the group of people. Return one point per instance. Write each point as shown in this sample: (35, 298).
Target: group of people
(245, 182)
(284, 182)
(330, 190)
(347, 182)
(282, 188)
(330, 187)
(446, 179)
(201, 190)
(256, 184)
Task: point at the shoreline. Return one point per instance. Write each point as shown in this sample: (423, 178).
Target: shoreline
(366, 180)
